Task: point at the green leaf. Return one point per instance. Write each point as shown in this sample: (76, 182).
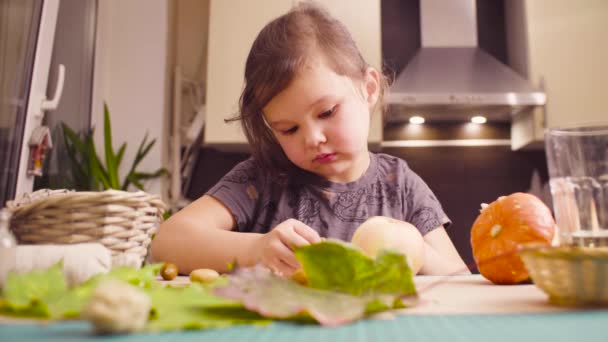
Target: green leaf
(111, 164)
(132, 179)
(150, 175)
(29, 294)
(78, 172)
(119, 155)
(44, 293)
(88, 170)
(137, 177)
(344, 285)
(340, 266)
(195, 307)
(143, 277)
(143, 150)
(74, 139)
(320, 263)
(95, 168)
(277, 297)
(393, 274)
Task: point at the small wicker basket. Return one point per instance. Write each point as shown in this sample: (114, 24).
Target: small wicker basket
(569, 275)
(124, 222)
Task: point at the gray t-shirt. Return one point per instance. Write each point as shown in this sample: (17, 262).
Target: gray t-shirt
(388, 188)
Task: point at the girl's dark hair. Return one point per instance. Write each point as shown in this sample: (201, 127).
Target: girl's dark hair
(278, 53)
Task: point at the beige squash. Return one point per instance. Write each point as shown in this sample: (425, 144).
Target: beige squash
(379, 232)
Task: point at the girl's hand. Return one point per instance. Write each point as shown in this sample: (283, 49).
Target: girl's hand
(275, 248)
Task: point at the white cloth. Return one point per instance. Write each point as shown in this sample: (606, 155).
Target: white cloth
(80, 261)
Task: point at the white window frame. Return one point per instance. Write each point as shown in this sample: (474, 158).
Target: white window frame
(37, 99)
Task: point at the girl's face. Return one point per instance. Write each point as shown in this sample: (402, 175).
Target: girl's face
(321, 120)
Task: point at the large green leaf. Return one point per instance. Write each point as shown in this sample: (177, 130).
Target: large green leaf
(261, 295)
(45, 294)
(195, 307)
(339, 266)
(276, 297)
(30, 294)
(344, 285)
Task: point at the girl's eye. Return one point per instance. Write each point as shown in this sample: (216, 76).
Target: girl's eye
(290, 131)
(327, 113)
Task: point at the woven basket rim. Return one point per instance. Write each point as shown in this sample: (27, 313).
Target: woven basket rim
(109, 195)
(566, 252)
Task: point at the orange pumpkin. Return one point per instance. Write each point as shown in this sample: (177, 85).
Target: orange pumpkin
(501, 227)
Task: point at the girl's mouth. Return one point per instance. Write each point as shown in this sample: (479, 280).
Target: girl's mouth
(325, 158)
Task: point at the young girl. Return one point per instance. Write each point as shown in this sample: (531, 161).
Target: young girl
(306, 111)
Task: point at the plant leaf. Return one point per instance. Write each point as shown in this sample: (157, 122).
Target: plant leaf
(111, 164)
(272, 296)
(150, 175)
(95, 168)
(132, 178)
(353, 276)
(340, 266)
(196, 307)
(28, 294)
(44, 293)
(73, 138)
(78, 172)
(119, 155)
(143, 150)
(160, 172)
(88, 170)
(344, 285)
(137, 177)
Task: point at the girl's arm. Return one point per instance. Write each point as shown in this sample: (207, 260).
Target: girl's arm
(440, 255)
(201, 236)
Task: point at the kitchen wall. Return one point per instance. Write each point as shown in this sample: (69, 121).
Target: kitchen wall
(132, 77)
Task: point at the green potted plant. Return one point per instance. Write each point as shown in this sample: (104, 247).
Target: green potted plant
(89, 173)
(90, 214)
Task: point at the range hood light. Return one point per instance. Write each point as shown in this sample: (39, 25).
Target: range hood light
(417, 120)
(478, 119)
(450, 76)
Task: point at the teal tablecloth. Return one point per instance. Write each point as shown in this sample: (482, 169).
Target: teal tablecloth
(554, 327)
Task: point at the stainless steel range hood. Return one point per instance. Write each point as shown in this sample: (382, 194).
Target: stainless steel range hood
(451, 78)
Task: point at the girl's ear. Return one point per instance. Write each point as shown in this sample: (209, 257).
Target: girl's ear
(372, 86)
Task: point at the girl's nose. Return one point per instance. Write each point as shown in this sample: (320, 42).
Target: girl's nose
(314, 136)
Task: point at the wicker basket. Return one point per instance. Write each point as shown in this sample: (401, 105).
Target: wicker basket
(569, 275)
(122, 221)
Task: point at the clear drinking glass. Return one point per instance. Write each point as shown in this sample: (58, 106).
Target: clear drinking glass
(577, 158)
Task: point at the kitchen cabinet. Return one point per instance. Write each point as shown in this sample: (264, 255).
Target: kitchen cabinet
(559, 45)
(234, 24)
